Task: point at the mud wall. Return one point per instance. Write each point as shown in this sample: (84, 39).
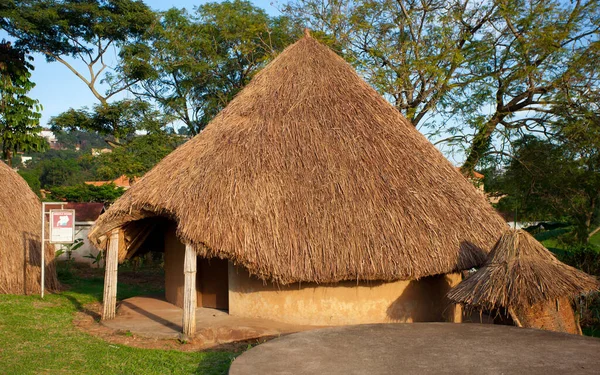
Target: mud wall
(554, 315)
(343, 303)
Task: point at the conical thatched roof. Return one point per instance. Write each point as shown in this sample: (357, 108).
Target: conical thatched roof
(310, 175)
(519, 272)
(20, 234)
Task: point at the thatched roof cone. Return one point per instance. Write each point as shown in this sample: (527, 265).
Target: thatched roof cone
(20, 238)
(519, 272)
(310, 175)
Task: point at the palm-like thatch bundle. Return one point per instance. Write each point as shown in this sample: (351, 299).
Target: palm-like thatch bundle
(521, 272)
(20, 238)
(310, 175)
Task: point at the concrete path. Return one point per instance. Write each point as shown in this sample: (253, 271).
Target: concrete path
(423, 348)
(157, 318)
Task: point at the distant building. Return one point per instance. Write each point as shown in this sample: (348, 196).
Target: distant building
(100, 151)
(477, 180)
(123, 181)
(51, 138)
(45, 193)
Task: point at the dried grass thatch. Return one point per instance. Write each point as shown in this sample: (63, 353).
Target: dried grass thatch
(520, 272)
(20, 235)
(310, 175)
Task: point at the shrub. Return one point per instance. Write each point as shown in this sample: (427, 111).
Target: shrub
(584, 257)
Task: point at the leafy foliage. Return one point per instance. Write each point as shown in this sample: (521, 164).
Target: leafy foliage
(57, 168)
(540, 45)
(584, 257)
(19, 114)
(64, 172)
(119, 120)
(558, 176)
(545, 181)
(193, 64)
(86, 193)
(84, 30)
(60, 168)
(138, 156)
(84, 140)
(478, 74)
(33, 180)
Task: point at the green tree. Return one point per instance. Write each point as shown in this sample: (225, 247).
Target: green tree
(555, 179)
(413, 52)
(545, 181)
(87, 193)
(60, 171)
(557, 175)
(85, 30)
(58, 168)
(119, 120)
(32, 178)
(19, 114)
(537, 45)
(478, 73)
(138, 156)
(73, 138)
(193, 64)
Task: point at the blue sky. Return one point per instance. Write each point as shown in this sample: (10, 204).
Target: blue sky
(58, 89)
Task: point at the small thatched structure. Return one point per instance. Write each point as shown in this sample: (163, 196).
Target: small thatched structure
(310, 176)
(20, 238)
(524, 278)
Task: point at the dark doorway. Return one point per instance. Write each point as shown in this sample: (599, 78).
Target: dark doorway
(213, 283)
(211, 276)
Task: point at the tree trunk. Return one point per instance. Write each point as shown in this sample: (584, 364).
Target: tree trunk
(593, 232)
(480, 145)
(9, 158)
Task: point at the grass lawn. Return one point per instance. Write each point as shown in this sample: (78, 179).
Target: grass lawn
(595, 240)
(37, 337)
(550, 240)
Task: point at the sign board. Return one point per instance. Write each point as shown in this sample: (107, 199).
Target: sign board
(62, 226)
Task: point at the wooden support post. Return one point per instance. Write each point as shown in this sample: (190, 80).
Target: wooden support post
(514, 317)
(457, 316)
(110, 277)
(189, 292)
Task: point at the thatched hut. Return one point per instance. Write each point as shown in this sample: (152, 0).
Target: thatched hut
(20, 238)
(524, 281)
(309, 199)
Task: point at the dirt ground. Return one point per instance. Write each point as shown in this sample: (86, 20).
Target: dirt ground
(88, 321)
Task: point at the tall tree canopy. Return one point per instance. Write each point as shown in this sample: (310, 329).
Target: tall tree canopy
(136, 157)
(414, 52)
(546, 181)
(193, 64)
(118, 120)
(83, 29)
(19, 114)
(556, 176)
(537, 46)
(483, 72)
